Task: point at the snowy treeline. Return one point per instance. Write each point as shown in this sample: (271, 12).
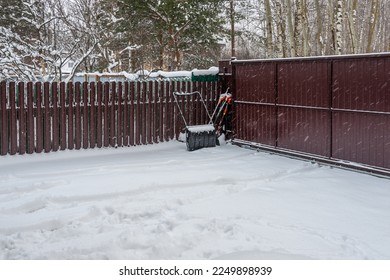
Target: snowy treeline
(289, 28)
(39, 39)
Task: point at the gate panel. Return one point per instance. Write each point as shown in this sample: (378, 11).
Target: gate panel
(255, 123)
(255, 98)
(362, 84)
(304, 130)
(304, 83)
(303, 106)
(255, 82)
(362, 138)
(361, 104)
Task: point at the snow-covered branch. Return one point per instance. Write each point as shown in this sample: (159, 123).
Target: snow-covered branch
(81, 60)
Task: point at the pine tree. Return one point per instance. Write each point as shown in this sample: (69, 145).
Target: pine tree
(179, 28)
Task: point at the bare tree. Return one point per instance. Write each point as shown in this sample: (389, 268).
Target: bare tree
(351, 12)
(338, 28)
(372, 24)
(299, 28)
(281, 30)
(319, 40)
(269, 32)
(290, 25)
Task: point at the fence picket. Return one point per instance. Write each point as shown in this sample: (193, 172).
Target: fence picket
(126, 115)
(70, 92)
(131, 114)
(77, 119)
(181, 125)
(137, 114)
(198, 107)
(99, 121)
(155, 113)
(119, 129)
(39, 118)
(22, 119)
(172, 116)
(186, 111)
(12, 119)
(63, 116)
(55, 123)
(143, 115)
(150, 109)
(161, 112)
(106, 115)
(112, 114)
(167, 112)
(85, 115)
(4, 119)
(30, 119)
(46, 118)
(92, 112)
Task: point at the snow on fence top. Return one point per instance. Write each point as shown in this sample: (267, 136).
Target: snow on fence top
(211, 71)
(144, 74)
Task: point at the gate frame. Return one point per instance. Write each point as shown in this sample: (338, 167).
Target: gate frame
(231, 73)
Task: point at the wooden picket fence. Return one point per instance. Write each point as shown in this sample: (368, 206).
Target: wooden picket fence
(44, 117)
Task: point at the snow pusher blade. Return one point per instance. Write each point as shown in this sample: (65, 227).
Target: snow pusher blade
(200, 136)
(197, 136)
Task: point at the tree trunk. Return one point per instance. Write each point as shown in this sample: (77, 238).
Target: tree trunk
(372, 24)
(339, 28)
(362, 30)
(281, 30)
(298, 32)
(352, 14)
(319, 39)
(386, 23)
(290, 28)
(232, 30)
(161, 50)
(305, 33)
(331, 32)
(268, 18)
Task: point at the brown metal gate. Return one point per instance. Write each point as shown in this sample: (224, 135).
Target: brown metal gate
(331, 108)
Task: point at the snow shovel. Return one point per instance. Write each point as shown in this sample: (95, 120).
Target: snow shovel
(221, 110)
(197, 136)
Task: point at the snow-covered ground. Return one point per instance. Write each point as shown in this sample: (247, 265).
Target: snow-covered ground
(162, 202)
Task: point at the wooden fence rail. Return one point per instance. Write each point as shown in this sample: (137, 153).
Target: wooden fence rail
(43, 117)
